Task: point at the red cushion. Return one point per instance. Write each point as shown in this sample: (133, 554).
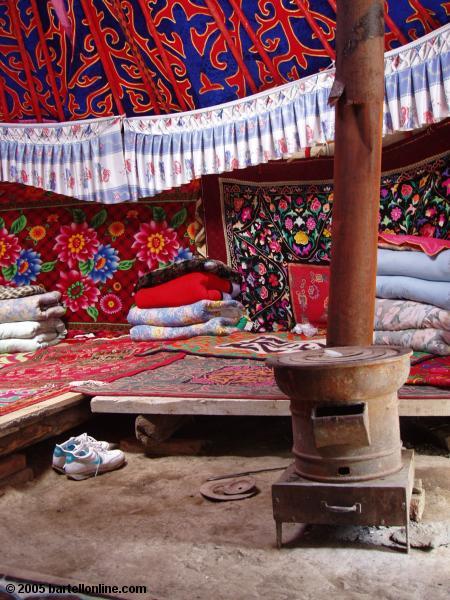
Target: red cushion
(309, 287)
(183, 290)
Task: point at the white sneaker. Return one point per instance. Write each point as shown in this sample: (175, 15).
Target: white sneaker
(60, 451)
(89, 461)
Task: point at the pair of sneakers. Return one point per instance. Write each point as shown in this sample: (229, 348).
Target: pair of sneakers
(83, 456)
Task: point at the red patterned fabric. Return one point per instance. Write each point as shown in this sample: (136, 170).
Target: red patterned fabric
(92, 253)
(435, 371)
(309, 285)
(429, 245)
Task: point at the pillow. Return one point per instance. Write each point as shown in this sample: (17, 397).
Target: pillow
(309, 286)
(414, 264)
(436, 293)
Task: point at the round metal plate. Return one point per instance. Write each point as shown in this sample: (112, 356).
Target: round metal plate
(229, 489)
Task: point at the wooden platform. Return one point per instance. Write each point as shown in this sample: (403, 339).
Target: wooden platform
(410, 407)
(35, 423)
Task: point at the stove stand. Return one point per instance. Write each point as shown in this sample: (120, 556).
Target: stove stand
(380, 501)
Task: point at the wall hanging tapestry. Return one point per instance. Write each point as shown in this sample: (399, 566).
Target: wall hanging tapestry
(266, 225)
(93, 254)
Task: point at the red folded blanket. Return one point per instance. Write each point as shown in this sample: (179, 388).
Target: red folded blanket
(186, 289)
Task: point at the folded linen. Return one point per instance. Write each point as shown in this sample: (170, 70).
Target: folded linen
(436, 293)
(414, 264)
(183, 267)
(40, 307)
(44, 340)
(394, 315)
(29, 329)
(7, 292)
(180, 316)
(217, 326)
(435, 341)
(184, 290)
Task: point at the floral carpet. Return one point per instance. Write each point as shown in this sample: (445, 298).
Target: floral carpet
(99, 360)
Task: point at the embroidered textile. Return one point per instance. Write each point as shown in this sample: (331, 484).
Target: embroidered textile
(267, 225)
(309, 286)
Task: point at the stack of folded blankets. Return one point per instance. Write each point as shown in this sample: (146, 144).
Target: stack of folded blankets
(30, 318)
(413, 300)
(189, 298)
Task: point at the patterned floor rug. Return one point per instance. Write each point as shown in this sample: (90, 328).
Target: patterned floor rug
(208, 377)
(241, 344)
(21, 385)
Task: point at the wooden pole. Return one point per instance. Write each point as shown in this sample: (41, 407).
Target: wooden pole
(358, 94)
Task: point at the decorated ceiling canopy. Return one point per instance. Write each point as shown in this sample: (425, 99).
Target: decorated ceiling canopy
(63, 60)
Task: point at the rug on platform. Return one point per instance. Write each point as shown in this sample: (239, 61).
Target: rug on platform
(207, 377)
(432, 371)
(12, 400)
(97, 360)
(196, 377)
(242, 344)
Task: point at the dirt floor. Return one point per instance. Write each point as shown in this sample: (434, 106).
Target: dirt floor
(147, 524)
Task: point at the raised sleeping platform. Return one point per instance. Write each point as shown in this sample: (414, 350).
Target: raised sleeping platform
(63, 385)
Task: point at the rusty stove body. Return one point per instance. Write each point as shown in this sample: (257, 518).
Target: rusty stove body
(349, 466)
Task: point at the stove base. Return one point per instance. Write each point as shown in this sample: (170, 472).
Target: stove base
(382, 501)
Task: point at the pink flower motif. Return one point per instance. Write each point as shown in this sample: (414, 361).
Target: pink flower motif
(246, 214)
(396, 213)
(310, 224)
(315, 205)
(156, 243)
(78, 292)
(282, 205)
(110, 304)
(76, 242)
(289, 223)
(9, 248)
(274, 245)
(263, 293)
(406, 190)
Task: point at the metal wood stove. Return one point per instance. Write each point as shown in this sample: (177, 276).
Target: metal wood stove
(349, 467)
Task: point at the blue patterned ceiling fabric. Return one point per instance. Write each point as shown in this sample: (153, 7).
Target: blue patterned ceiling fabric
(66, 60)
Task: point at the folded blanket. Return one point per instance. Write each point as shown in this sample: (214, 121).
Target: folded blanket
(394, 315)
(32, 308)
(184, 290)
(436, 293)
(217, 326)
(414, 264)
(7, 292)
(29, 345)
(434, 341)
(180, 316)
(29, 329)
(180, 268)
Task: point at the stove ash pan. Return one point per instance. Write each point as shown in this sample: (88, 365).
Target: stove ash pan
(344, 409)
